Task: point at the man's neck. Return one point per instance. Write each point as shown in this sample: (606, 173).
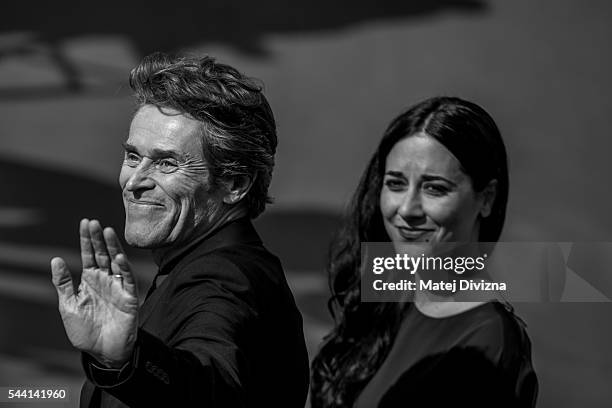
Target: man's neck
(166, 254)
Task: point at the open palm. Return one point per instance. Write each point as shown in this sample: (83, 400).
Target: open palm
(101, 317)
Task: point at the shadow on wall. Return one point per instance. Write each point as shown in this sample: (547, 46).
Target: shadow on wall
(162, 26)
(300, 238)
(48, 204)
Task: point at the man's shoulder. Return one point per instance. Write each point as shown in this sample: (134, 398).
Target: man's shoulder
(247, 270)
(235, 247)
(238, 258)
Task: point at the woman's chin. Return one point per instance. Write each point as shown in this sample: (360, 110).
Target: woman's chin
(412, 248)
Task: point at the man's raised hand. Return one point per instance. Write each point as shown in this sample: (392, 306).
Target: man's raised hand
(101, 316)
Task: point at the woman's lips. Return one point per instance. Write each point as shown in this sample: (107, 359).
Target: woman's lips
(414, 234)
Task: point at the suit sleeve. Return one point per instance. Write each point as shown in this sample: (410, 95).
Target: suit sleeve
(208, 317)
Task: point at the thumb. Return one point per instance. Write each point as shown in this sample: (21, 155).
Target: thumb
(60, 275)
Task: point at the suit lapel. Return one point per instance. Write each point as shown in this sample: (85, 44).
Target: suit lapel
(154, 296)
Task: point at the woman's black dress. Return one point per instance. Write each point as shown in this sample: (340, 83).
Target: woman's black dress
(478, 358)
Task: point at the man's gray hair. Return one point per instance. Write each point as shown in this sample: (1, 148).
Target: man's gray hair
(239, 131)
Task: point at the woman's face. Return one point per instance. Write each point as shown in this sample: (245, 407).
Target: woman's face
(426, 197)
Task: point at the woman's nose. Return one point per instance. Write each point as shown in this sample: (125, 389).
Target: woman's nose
(411, 207)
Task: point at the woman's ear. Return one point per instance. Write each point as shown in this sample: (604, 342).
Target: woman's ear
(236, 188)
(488, 198)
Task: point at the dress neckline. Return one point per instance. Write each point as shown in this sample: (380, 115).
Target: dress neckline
(455, 315)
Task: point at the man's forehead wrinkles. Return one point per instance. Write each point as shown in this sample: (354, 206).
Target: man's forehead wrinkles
(157, 131)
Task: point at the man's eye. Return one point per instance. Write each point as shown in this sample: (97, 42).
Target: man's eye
(167, 165)
(435, 189)
(131, 159)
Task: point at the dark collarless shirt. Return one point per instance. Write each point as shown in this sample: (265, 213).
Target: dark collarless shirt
(219, 328)
(478, 358)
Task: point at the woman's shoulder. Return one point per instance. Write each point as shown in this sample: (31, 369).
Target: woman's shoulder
(492, 325)
(498, 332)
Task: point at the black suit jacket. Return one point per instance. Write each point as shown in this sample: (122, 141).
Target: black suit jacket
(221, 330)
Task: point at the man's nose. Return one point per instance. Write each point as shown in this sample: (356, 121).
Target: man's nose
(411, 208)
(140, 178)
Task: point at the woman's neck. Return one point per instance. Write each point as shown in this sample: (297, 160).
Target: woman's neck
(439, 306)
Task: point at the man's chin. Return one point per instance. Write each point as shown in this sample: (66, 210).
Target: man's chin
(143, 241)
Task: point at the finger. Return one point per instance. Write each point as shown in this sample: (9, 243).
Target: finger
(62, 280)
(121, 266)
(87, 254)
(113, 245)
(99, 246)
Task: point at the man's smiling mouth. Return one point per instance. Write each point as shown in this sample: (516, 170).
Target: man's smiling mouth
(145, 202)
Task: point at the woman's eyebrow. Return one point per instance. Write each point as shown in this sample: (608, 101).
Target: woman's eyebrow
(395, 173)
(425, 177)
(433, 177)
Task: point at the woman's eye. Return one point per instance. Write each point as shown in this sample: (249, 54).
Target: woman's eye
(435, 189)
(394, 184)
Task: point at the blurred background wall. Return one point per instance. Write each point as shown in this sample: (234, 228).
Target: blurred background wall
(335, 72)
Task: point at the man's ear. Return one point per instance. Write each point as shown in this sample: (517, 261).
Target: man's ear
(236, 188)
(488, 195)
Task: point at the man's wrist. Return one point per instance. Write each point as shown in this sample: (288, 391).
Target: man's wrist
(117, 362)
(110, 363)
(102, 375)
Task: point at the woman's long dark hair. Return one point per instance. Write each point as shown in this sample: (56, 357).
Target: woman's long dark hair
(364, 332)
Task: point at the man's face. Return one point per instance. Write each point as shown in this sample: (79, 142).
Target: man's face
(165, 181)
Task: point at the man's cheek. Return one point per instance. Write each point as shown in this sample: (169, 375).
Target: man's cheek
(123, 176)
(180, 184)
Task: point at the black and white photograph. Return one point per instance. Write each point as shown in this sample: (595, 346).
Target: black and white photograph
(306, 204)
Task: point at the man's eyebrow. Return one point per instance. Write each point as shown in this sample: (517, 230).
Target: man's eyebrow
(155, 153)
(166, 153)
(128, 147)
